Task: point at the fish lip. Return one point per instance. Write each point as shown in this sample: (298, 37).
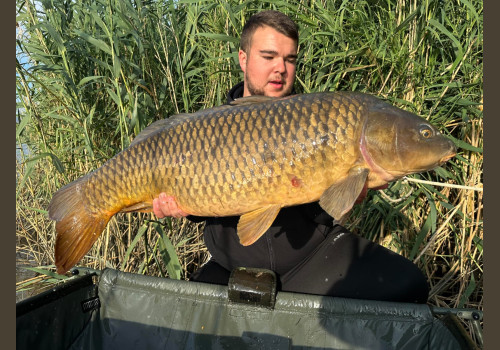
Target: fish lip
(447, 158)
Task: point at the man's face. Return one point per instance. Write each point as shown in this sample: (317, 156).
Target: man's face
(269, 65)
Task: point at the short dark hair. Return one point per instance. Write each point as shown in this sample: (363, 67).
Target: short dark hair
(274, 19)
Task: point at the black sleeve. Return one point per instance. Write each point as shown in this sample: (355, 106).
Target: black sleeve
(318, 215)
(197, 219)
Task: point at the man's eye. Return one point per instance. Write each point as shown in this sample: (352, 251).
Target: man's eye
(268, 57)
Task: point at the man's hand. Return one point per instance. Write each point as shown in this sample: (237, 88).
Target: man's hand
(167, 206)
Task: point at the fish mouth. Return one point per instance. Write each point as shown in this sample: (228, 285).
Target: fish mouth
(447, 158)
(452, 152)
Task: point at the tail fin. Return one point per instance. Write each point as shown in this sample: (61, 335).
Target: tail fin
(77, 228)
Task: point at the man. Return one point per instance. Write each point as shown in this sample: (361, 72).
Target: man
(306, 248)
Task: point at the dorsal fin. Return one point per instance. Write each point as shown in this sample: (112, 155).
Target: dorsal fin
(250, 100)
(177, 119)
(160, 125)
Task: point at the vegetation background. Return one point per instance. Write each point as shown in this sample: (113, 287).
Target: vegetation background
(92, 74)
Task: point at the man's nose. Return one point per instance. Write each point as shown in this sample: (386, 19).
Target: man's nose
(280, 65)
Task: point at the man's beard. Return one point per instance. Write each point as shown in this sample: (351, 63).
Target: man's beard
(260, 91)
(251, 88)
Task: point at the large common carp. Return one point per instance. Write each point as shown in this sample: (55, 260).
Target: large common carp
(251, 159)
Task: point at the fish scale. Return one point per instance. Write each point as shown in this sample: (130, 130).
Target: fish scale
(250, 159)
(243, 140)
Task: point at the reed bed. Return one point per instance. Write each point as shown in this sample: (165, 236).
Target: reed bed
(92, 74)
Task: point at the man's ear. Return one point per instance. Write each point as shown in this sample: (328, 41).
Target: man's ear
(242, 56)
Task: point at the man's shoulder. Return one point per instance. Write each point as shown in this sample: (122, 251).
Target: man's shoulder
(235, 92)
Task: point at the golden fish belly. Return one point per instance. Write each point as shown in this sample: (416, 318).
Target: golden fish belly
(250, 157)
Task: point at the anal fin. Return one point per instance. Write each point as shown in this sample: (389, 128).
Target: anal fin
(254, 224)
(339, 198)
(143, 207)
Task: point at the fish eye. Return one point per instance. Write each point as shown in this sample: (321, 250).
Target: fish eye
(426, 131)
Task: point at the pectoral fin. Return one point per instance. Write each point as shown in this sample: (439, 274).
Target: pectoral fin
(339, 198)
(252, 225)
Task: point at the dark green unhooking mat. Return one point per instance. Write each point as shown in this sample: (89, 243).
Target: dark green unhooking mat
(142, 312)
